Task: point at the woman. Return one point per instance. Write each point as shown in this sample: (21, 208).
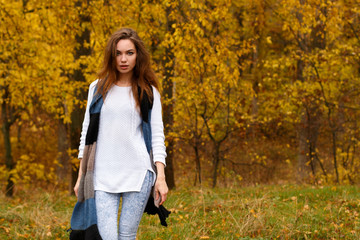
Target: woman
(123, 123)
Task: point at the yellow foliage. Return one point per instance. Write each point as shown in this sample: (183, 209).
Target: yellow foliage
(237, 64)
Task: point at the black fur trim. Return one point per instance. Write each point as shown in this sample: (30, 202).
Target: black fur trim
(91, 233)
(145, 104)
(151, 209)
(93, 129)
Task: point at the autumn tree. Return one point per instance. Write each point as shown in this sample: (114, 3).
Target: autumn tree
(18, 46)
(208, 92)
(252, 90)
(309, 28)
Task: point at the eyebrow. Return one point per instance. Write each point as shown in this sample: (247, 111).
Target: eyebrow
(129, 50)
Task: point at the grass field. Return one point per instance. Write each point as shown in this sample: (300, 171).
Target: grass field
(263, 212)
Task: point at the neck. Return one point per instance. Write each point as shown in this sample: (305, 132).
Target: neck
(124, 79)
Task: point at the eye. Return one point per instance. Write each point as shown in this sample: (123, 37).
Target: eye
(118, 53)
(130, 53)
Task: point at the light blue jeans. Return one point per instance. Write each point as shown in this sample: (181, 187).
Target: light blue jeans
(132, 209)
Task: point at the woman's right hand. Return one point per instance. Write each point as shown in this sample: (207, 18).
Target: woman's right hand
(76, 188)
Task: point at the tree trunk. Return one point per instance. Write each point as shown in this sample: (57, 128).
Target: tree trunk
(75, 131)
(216, 162)
(313, 126)
(8, 159)
(310, 124)
(7, 122)
(196, 146)
(62, 170)
(77, 116)
(302, 167)
(308, 130)
(168, 107)
(258, 59)
(334, 147)
(198, 163)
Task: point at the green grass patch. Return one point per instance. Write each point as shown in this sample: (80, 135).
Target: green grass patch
(263, 212)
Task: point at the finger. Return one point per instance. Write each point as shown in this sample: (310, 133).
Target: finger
(163, 198)
(157, 195)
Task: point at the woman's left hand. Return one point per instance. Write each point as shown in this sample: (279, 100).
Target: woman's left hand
(161, 188)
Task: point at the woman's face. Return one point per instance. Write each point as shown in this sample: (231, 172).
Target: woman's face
(125, 56)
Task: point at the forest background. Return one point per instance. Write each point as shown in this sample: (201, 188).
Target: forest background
(253, 92)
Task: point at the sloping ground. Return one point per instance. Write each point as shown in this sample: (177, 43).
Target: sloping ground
(263, 212)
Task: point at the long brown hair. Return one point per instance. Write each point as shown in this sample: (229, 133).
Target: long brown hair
(143, 75)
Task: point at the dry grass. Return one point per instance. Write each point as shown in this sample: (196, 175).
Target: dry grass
(35, 214)
(264, 212)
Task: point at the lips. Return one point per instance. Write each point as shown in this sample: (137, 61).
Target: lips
(124, 67)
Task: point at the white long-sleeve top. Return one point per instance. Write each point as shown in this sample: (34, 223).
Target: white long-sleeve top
(121, 159)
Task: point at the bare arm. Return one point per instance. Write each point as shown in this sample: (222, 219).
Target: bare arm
(76, 188)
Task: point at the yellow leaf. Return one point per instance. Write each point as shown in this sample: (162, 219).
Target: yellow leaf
(268, 40)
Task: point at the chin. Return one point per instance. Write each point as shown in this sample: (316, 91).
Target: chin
(124, 71)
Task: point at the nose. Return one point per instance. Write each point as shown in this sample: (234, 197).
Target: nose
(123, 58)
